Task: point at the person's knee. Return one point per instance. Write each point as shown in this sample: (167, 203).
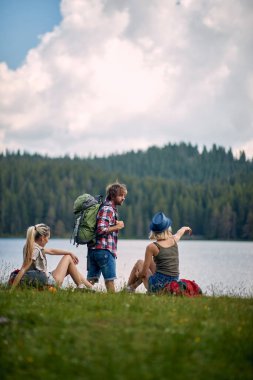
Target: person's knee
(68, 259)
(139, 263)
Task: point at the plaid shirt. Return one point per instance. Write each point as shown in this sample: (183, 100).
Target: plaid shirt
(106, 218)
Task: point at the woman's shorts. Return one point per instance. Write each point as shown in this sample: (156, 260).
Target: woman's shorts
(158, 281)
(34, 278)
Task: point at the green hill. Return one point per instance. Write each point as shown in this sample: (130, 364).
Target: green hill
(179, 162)
(211, 191)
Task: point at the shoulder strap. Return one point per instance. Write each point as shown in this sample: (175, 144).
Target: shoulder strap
(174, 240)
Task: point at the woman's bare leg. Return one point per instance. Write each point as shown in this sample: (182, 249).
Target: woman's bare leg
(84, 281)
(67, 266)
(134, 280)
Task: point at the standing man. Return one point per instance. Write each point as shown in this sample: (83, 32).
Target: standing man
(102, 256)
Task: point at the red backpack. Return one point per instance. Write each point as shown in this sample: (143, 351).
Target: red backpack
(12, 276)
(183, 287)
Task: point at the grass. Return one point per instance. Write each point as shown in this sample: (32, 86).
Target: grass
(72, 335)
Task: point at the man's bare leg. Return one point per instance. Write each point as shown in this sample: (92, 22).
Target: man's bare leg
(110, 287)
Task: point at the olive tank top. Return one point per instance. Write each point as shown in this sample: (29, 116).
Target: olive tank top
(167, 260)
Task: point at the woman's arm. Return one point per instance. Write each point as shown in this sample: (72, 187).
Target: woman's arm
(55, 251)
(150, 251)
(20, 274)
(181, 232)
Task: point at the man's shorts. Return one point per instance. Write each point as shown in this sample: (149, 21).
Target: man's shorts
(101, 261)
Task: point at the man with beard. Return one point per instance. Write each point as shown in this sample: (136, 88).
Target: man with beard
(102, 256)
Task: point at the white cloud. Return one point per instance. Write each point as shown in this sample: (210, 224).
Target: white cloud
(121, 75)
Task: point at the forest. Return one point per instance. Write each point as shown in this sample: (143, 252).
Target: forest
(211, 190)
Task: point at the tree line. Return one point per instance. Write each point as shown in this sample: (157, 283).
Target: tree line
(210, 191)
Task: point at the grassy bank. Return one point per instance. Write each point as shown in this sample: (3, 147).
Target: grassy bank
(66, 335)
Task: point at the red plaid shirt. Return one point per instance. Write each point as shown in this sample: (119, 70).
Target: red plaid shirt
(106, 218)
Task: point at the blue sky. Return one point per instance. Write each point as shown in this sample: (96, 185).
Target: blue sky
(95, 77)
(21, 24)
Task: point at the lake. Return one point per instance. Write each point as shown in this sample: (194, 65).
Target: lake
(219, 267)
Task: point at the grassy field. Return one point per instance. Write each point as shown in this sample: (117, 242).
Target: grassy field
(73, 335)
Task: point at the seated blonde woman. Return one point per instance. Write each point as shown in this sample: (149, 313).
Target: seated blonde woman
(34, 269)
(161, 263)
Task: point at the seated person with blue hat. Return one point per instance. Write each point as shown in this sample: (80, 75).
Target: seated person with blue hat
(161, 263)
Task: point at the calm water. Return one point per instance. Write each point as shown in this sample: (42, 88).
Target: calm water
(218, 267)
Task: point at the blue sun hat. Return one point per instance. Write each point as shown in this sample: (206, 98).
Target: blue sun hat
(160, 222)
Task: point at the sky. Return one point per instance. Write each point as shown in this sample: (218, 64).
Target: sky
(100, 77)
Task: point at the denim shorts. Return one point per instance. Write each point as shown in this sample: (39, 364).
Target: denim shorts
(158, 281)
(101, 261)
(34, 278)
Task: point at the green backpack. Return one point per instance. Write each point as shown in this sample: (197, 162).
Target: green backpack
(85, 218)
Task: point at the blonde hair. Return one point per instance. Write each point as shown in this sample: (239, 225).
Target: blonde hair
(33, 233)
(160, 235)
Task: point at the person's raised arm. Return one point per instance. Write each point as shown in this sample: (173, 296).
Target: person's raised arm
(181, 232)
